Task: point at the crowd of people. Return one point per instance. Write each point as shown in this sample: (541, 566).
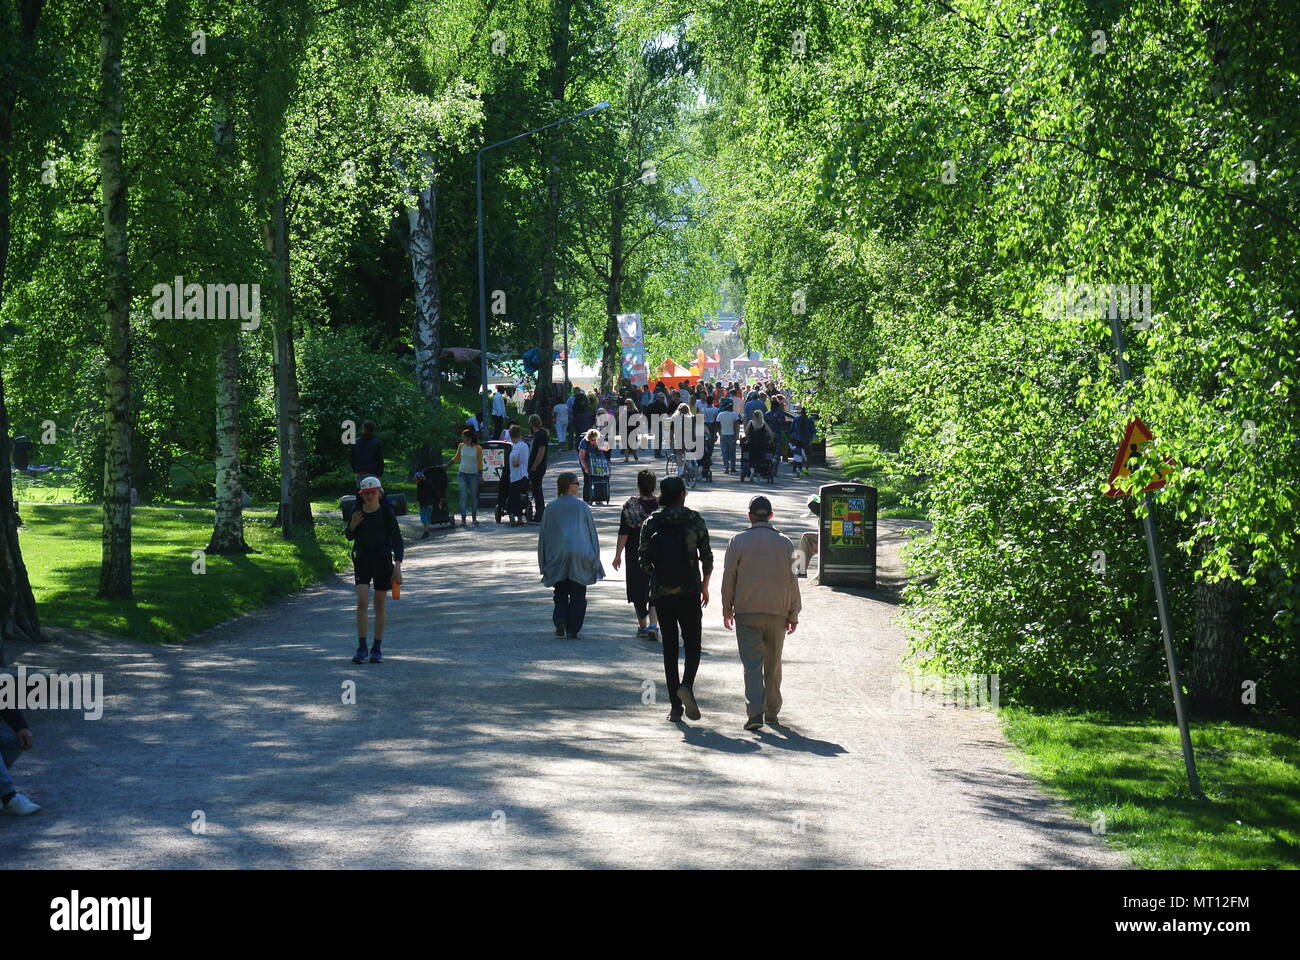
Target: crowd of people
(753, 426)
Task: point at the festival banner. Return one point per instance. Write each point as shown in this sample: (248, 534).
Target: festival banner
(632, 339)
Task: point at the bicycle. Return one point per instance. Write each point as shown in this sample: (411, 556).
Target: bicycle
(670, 464)
(684, 467)
(691, 473)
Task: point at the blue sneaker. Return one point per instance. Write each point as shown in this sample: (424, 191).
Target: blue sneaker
(360, 655)
(375, 655)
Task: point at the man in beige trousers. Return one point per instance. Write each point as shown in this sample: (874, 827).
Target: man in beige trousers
(760, 597)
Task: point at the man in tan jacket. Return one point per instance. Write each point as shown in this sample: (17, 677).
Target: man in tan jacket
(760, 597)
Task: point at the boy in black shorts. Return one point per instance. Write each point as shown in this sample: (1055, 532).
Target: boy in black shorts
(377, 556)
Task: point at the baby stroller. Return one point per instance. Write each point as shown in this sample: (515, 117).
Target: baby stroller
(759, 467)
(503, 496)
(765, 468)
(436, 480)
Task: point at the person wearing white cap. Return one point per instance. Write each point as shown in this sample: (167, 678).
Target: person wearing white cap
(760, 598)
(376, 557)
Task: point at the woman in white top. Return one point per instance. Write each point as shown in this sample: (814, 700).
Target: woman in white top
(469, 474)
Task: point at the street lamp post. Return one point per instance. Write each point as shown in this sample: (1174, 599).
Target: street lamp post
(482, 283)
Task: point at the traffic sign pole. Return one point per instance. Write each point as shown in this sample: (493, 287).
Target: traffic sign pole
(1162, 599)
(1162, 609)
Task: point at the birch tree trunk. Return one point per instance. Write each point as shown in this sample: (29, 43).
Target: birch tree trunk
(115, 567)
(18, 620)
(228, 527)
(427, 334)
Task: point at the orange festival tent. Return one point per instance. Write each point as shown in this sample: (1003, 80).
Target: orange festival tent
(672, 373)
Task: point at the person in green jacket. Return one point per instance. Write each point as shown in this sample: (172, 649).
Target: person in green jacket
(376, 557)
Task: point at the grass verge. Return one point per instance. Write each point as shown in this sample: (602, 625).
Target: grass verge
(61, 547)
(1127, 776)
(880, 469)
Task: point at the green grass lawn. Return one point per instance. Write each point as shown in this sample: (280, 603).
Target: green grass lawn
(61, 547)
(37, 490)
(880, 469)
(1132, 772)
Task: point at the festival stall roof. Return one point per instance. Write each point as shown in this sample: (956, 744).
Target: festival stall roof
(673, 373)
(580, 374)
(749, 361)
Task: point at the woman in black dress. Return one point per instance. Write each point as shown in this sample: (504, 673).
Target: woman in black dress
(635, 511)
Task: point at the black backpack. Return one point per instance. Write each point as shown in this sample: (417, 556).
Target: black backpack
(674, 566)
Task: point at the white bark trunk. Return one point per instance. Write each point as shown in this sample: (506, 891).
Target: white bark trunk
(228, 527)
(115, 566)
(426, 336)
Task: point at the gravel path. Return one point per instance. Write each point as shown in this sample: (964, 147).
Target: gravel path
(484, 741)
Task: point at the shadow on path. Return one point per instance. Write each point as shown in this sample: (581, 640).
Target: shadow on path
(713, 740)
(797, 741)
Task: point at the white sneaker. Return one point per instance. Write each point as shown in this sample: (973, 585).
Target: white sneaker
(20, 806)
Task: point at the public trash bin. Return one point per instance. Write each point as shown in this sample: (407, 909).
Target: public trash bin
(22, 453)
(846, 533)
(491, 489)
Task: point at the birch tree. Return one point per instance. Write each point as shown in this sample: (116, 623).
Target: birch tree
(421, 247)
(115, 567)
(228, 526)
